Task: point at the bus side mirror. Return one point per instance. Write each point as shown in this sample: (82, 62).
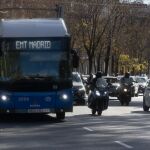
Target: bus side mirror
(1, 53)
(1, 50)
(75, 58)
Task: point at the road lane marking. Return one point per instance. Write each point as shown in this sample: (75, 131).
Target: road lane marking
(123, 144)
(88, 129)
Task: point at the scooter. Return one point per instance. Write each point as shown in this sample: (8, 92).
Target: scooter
(98, 100)
(125, 94)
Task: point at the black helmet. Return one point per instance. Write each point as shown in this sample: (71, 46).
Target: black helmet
(127, 74)
(99, 74)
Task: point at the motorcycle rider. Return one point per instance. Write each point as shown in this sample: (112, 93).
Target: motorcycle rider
(89, 83)
(126, 81)
(97, 83)
(89, 80)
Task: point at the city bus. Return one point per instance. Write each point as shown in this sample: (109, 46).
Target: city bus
(35, 67)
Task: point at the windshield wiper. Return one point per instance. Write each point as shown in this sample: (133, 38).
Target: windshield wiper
(38, 77)
(34, 77)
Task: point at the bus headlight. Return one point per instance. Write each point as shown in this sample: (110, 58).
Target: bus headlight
(4, 98)
(64, 97)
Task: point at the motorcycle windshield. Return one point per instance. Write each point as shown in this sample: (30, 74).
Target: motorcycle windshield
(101, 83)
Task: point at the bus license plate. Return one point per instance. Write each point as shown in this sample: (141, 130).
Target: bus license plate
(38, 110)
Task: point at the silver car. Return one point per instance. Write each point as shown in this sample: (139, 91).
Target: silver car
(142, 84)
(79, 92)
(113, 85)
(146, 98)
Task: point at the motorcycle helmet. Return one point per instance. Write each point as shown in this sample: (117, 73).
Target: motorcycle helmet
(99, 74)
(127, 74)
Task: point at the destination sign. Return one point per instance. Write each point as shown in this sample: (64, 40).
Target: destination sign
(33, 44)
(19, 45)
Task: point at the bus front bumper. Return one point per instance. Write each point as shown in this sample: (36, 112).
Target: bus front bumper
(34, 111)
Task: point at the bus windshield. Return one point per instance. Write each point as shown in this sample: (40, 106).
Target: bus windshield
(34, 60)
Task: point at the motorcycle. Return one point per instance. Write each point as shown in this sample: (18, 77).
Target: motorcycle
(125, 94)
(98, 100)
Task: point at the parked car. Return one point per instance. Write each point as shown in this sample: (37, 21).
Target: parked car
(144, 76)
(147, 82)
(135, 86)
(85, 77)
(146, 98)
(119, 77)
(113, 85)
(142, 84)
(87, 82)
(79, 92)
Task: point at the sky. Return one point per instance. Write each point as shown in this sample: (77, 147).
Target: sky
(147, 1)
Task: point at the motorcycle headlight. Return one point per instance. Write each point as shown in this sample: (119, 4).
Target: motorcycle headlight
(118, 86)
(105, 93)
(97, 93)
(125, 90)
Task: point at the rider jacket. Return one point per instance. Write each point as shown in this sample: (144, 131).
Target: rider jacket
(99, 82)
(126, 81)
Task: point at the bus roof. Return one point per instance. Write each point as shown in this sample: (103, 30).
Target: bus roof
(32, 28)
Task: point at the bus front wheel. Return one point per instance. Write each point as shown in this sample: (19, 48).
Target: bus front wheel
(60, 115)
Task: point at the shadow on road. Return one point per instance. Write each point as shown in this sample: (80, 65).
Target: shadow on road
(133, 103)
(28, 118)
(141, 112)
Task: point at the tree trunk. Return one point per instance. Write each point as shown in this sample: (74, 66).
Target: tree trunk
(112, 64)
(98, 62)
(117, 66)
(90, 64)
(107, 57)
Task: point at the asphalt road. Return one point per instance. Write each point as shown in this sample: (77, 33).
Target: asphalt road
(119, 128)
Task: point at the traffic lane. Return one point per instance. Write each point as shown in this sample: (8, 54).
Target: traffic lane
(114, 108)
(135, 101)
(67, 135)
(30, 135)
(114, 131)
(132, 130)
(130, 124)
(103, 134)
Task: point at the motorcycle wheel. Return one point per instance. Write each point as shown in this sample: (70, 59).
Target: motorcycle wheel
(121, 103)
(145, 108)
(127, 103)
(93, 111)
(99, 112)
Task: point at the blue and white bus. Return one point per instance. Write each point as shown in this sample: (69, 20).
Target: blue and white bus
(35, 67)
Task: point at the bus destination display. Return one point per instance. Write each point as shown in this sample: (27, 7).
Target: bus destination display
(19, 45)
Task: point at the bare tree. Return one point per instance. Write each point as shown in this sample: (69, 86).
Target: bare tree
(92, 25)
